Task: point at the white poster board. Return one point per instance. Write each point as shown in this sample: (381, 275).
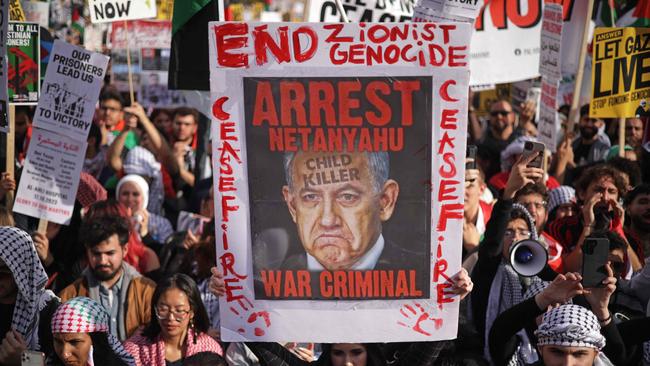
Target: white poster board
(104, 11)
(361, 11)
(550, 58)
(320, 84)
(50, 177)
(548, 122)
(70, 90)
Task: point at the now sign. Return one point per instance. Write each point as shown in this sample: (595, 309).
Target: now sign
(105, 11)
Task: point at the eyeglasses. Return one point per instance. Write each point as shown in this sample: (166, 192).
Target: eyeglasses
(538, 205)
(510, 233)
(163, 313)
(502, 113)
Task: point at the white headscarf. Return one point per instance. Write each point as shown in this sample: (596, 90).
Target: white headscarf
(140, 183)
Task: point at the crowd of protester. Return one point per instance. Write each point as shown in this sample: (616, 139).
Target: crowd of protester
(130, 281)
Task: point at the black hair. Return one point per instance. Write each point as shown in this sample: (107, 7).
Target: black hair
(97, 134)
(186, 111)
(98, 229)
(584, 110)
(629, 167)
(186, 284)
(519, 214)
(110, 93)
(158, 111)
(596, 172)
(637, 191)
(373, 350)
(103, 354)
(204, 359)
(26, 110)
(532, 188)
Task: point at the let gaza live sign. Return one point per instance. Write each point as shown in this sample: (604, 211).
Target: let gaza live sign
(106, 11)
(70, 90)
(323, 134)
(621, 73)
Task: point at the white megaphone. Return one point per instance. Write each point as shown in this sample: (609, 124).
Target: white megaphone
(528, 257)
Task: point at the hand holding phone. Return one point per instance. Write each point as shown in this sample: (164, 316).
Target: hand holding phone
(531, 148)
(595, 252)
(32, 358)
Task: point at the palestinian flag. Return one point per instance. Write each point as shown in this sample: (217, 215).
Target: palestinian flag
(189, 67)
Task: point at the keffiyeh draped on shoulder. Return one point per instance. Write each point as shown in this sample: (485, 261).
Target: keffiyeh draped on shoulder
(18, 253)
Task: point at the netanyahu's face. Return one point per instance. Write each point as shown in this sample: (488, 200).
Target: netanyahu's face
(337, 210)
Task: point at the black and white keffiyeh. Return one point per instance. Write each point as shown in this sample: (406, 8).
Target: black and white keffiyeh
(570, 326)
(507, 290)
(18, 253)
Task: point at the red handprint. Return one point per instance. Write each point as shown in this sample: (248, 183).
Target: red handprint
(417, 313)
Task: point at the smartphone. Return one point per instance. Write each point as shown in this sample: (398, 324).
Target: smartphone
(32, 358)
(595, 252)
(470, 161)
(532, 147)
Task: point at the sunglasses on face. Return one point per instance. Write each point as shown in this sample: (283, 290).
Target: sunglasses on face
(500, 113)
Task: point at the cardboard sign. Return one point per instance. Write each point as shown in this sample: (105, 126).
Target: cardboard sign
(551, 42)
(70, 90)
(362, 11)
(105, 11)
(23, 42)
(620, 77)
(549, 119)
(50, 177)
(312, 124)
(4, 96)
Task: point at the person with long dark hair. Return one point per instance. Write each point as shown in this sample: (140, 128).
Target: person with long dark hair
(178, 326)
(80, 336)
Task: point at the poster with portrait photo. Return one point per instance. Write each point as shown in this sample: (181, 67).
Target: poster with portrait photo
(357, 204)
(338, 180)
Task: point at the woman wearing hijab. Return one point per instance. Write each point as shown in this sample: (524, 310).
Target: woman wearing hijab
(22, 295)
(80, 336)
(178, 326)
(133, 192)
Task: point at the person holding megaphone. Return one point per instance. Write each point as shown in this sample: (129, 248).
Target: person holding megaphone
(500, 273)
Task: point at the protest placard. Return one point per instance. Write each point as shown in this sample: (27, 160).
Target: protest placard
(549, 119)
(336, 148)
(71, 87)
(104, 11)
(550, 60)
(16, 13)
(154, 64)
(23, 62)
(620, 77)
(36, 12)
(50, 177)
(4, 70)
(361, 11)
(142, 33)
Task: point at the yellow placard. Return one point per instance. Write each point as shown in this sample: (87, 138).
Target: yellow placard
(165, 9)
(16, 13)
(620, 73)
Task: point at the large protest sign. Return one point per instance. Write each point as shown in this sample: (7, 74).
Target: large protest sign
(71, 87)
(339, 154)
(4, 70)
(361, 10)
(104, 11)
(50, 177)
(36, 12)
(549, 119)
(24, 62)
(620, 75)
(550, 60)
